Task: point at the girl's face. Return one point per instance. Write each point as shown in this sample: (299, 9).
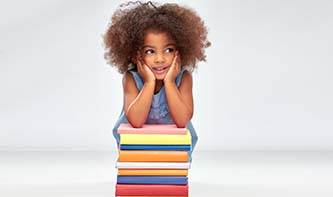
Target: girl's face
(158, 52)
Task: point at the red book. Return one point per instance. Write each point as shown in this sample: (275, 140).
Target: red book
(151, 190)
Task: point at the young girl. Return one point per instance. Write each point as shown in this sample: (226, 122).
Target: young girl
(156, 47)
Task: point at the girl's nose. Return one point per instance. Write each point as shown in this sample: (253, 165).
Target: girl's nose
(159, 58)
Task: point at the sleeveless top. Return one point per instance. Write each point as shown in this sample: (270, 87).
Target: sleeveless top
(159, 110)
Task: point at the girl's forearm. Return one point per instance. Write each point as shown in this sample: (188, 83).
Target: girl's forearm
(180, 111)
(138, 110)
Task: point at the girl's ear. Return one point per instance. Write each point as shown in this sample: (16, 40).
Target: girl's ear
(138, 56)
(134, 59)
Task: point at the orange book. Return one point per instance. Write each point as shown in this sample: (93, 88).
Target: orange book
(152, 156)
(153, 172)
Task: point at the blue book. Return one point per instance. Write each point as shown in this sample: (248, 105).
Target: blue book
(157, 180)
(154, 147)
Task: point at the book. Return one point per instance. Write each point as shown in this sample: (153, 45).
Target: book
(153, 172)
(157, 139)
(152, 155)
(151, 190)
(151, 196)
(151, 129)
(154, 147)
(172, 180)
(154, 165)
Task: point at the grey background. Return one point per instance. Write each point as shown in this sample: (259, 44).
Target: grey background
(267, 84)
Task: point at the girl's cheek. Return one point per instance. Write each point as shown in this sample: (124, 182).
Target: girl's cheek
(147, 61)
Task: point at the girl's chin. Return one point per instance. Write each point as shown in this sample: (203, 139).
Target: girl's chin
(160, 77)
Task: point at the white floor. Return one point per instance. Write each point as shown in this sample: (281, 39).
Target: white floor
(229, 174)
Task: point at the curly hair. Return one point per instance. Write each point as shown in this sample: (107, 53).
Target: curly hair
(131, 21)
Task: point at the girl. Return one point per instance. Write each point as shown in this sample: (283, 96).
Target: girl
(156, 47)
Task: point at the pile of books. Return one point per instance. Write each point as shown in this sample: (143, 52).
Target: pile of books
(153, 161)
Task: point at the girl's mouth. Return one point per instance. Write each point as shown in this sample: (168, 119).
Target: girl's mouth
(160, 70)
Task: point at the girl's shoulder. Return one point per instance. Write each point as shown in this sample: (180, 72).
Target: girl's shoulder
(131, 73)
(186, 75)
(132, 77)
(186, 79)
(128, 78)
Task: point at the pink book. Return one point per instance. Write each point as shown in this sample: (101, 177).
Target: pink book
(152, 129)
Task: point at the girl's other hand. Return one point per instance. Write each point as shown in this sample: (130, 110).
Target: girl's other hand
(144, 71)
(174, 69)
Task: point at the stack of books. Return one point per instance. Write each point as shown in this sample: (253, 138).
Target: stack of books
(153, 160)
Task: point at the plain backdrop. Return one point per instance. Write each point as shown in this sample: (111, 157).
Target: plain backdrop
(267, 84)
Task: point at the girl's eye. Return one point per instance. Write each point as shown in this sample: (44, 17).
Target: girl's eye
(169, 50)
(149, 51)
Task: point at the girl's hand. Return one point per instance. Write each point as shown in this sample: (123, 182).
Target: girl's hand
(174, 69)
(144, 71)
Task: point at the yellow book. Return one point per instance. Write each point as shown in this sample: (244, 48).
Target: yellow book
(155, 139)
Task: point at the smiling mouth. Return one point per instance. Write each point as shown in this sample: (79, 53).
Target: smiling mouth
(160, 69)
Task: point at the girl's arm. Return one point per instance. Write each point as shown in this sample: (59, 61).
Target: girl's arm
(137, 104)
(180, 101)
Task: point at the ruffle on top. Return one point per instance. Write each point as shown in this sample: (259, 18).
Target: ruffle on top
(159, 108)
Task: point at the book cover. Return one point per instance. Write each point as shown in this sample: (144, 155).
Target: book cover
(172, 180)
(153, 165)
(152, 156)
(151, 129)
(154, 147)
(156, 139)
(153, 172)
(151, 190)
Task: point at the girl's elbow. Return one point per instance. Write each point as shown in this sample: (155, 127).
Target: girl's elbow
(182, 124)
(136, 124)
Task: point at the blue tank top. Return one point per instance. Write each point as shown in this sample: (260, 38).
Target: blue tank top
(159, 110)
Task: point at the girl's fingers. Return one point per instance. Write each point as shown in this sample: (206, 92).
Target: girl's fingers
(174, 61)
(139, 60)
(177, 61)
(141, 64)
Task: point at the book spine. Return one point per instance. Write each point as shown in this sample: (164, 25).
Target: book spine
(152, 156)
(152, 172)
(151, 190)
